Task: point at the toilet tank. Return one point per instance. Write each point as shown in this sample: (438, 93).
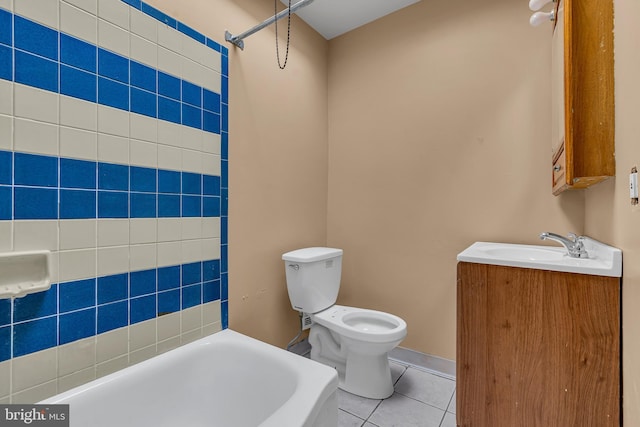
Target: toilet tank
(313, 278)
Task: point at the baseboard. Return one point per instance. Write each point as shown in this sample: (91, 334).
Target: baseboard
(426, 362)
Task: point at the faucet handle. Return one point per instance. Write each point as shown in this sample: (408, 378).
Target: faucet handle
(573, 236)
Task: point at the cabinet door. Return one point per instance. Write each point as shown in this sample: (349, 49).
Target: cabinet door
(537, 348)
(583, 94)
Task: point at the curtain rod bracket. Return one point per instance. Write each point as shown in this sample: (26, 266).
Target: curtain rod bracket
(237, 40)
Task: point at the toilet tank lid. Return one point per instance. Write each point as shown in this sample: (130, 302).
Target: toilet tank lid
(311, 254)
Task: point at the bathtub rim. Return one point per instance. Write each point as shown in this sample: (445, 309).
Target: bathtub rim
(312, 375)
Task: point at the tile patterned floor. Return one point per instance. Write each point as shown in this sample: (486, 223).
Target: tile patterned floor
(421, 399)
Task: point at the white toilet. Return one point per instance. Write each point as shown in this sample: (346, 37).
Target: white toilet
(355, 341)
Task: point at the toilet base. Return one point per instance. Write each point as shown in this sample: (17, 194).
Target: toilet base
(367, 375)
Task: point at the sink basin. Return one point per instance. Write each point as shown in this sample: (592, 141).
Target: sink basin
(604, 260)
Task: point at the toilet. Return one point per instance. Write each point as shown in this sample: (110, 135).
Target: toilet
(355, 341)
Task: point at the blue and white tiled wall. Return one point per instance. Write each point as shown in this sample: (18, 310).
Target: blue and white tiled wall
(113, 155)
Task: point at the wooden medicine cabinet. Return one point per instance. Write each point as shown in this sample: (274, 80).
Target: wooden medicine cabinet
(583, 151)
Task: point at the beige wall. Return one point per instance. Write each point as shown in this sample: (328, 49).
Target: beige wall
(437, 125)
(609, 214)
(439, 136)
(277, 156)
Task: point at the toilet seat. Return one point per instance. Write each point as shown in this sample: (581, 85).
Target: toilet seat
(362, 324)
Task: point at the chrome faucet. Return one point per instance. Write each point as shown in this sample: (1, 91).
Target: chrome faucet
(573, 244)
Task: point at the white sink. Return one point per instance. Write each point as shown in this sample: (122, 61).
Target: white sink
(604, 260)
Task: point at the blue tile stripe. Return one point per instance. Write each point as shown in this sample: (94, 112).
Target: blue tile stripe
(38, 56)
(46, 187)
(79, 309)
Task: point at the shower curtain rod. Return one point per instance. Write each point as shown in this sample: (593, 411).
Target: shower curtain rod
(237, 40)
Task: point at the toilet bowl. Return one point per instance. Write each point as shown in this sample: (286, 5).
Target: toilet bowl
(355, 341)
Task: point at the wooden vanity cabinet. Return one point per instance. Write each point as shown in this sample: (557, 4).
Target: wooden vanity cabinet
(537, 348)
(583, 151)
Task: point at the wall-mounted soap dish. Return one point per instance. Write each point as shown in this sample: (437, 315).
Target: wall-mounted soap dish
(23, 273)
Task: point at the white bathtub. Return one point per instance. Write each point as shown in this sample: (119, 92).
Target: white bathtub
(223, 380)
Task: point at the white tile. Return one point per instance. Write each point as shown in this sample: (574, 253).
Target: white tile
(36, 104)
(211, 328)
(111, 366)
(212, 80)
(169, 158)
(210, 227)
(191, 48)
(113, 121)
(35, 235)
(142, 334)
(209, 57)
(397, 370)
(191, 71)
(143, 154)
(403, 411)
(35, 137)
(169, 253)
(5, 400)
(211, 164)
(142, 354)
(426, 387)
(6, 97)
(78, 143)
(90, 6)
(168, 326)
(211, 143)
(210, 249)
(78, 113)
(170, 38)
(7, 4)
(168, 345)
(116, 12)
(144, 51)
(113, 232)
(78, 234)
(78, 23)
(55, 275)
(191, 318)
(113, 149)
(6, 132)
(211, 312)
(346, 419)
(169, 62)
(144, 25)
(191, 228)
(5, 372)
(113, 260)
(37, 393)
(191, 138)
(76, 356)
(191, 336)
(191, 251)
(77, 264)
(43, 11)
(169, 229)
(144, 128)
(6, 237)
(449, 420)
(113, 38)
(76, 379)
(191, 161)
(452, 405)
(142, 257)
(34, 369)
(143, 230)
(169, 133)
(112, 344)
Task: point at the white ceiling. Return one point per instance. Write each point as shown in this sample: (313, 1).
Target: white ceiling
(332, 18)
